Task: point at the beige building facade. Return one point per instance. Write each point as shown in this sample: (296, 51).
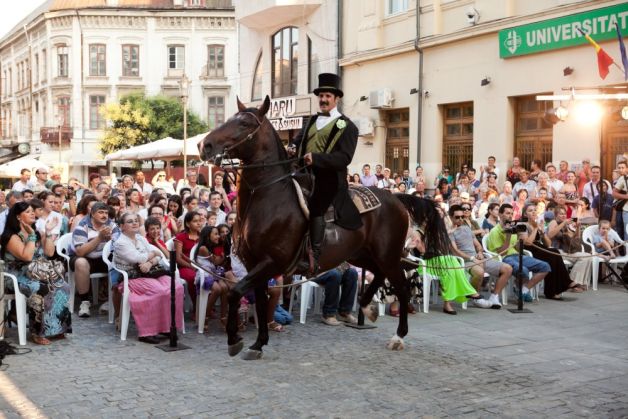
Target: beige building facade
(283, 46)
(474, 98)
(69, 57)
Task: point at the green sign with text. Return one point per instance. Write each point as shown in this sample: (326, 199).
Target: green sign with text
(563, 32)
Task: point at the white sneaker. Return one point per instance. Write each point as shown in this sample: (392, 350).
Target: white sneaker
(482, 303)
(494, 300)
(84, 309)
(104, 307)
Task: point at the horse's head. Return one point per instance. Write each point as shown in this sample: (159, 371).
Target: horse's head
(235, 138)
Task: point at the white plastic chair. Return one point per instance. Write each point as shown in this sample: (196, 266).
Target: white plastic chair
(63, 249)
(587, 237)
(20, 307)
(126, 307)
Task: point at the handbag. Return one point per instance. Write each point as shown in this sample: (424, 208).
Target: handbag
(155, 271)
(46, 270)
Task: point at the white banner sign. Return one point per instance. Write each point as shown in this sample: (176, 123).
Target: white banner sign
(284, 124)
(282, 108)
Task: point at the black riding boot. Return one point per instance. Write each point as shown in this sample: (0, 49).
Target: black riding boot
(317, 234)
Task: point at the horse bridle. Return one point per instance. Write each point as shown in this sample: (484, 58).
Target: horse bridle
(248, 137)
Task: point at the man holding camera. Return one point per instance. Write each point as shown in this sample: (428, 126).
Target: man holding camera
(503, 238)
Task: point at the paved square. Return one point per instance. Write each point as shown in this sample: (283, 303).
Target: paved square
(566, 359)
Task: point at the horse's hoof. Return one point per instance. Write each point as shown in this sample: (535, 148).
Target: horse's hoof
(236, 348)
(395, 344)
(251, 355)
(370, 312)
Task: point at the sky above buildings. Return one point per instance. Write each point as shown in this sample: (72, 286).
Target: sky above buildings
(18, 10)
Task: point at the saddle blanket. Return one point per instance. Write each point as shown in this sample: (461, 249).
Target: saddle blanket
(363, 198)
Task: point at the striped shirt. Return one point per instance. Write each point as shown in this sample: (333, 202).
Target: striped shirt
(85, 232)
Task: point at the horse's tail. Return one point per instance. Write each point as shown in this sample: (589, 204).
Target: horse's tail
(424, 213)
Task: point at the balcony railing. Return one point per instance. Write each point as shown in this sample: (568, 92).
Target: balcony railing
(50, 135)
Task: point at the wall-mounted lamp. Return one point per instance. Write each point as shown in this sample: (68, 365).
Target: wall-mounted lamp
(624, 112)
(555, 115)
(414, 91)
(363, 98)
(485, 81)
(567, 71)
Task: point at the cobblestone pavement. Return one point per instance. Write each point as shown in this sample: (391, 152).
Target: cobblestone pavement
(566, 359)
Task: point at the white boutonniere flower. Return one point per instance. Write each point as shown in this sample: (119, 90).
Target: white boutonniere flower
(341, 124)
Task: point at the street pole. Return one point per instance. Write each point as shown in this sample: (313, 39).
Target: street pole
(520, 308)
(185, 136)
(184, 85)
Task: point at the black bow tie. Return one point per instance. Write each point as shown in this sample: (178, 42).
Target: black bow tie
(323, 114)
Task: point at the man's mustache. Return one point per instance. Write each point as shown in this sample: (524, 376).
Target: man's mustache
(323, 102)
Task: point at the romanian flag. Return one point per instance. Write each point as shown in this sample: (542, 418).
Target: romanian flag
(604, 60)
(622, 50)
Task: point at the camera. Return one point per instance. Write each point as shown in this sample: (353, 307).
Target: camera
(517, 227)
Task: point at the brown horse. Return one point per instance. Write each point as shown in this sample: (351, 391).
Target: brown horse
(271, 225)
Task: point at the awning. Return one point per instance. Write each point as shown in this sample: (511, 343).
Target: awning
(12, 169)
(164, 149)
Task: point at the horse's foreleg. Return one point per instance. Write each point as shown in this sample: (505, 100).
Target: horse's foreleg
(369, 311)
(397, 280)
(261, 308)
(257, 274)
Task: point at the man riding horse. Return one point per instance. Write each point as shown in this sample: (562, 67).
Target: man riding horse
(327, 144)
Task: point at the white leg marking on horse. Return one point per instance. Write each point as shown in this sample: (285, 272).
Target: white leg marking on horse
(395, 343)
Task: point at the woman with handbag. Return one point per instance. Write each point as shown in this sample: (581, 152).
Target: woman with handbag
(26, 254)
(149, 281)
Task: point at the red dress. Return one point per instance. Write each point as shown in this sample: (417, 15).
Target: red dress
(188, 274)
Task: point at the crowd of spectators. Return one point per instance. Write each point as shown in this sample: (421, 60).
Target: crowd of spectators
(139, 217)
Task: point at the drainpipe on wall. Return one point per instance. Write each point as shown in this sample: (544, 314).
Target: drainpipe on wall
(339, 47)
(78, 18)
(420, 108)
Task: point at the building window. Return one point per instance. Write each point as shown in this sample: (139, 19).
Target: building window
(176, 57)
(96, 121)
(398, 140)
(457, 135)
(394, 7)
(62, 59)
(256, 89)
(130, 60)
(215, 60)
(314, 65)
(215, 111)
(533, 134)
(97, 60)
(44, 65)
(285, 62)
(64, 110)
(36, 69)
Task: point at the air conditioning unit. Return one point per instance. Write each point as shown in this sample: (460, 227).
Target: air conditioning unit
(177, 3)
(365, 126)
(381, 98)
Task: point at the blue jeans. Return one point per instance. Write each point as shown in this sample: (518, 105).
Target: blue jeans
(340, 289)
(530, 264)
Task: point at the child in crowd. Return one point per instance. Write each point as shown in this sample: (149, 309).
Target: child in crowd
(210, 255)
(605, 240)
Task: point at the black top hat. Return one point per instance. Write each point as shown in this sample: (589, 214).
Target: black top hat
(329, 82)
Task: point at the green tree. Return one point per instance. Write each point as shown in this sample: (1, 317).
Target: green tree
(139, 120)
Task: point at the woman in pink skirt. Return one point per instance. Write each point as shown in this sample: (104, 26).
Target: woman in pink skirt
(149, 297)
